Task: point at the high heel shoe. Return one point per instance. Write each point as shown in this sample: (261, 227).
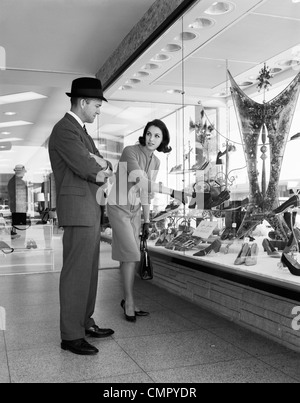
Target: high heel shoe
(137, 313)
(128, 318)
(251, 258)
(293, 202)
(293, 243)
(269, 248)
(215, 246)
(241, 258)
(292, 264)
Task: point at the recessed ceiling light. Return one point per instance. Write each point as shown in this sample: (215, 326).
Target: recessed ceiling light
(22, 97)
(246, 83)
(10, 113)
(15, 124)
(222, 94)
(275, 70)
(175, 92)
(142, 74)
(219, 8)
(7, 146)
(6, 133)
(160, 58)
(150, 66)
(133, 81)
(202, 23)
(289, 63)
(172, 47)
(186, 36)
(125, 88)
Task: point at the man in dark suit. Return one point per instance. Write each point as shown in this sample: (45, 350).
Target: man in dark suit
(76, 165)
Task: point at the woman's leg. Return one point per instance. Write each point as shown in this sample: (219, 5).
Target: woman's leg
(128, 271)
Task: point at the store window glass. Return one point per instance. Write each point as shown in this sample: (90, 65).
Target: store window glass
(184, 78)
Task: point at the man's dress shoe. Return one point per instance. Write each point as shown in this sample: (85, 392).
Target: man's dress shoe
(98, 333)
(79, 347)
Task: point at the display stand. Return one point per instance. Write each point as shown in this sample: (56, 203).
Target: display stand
(261, 298)
(32, 250)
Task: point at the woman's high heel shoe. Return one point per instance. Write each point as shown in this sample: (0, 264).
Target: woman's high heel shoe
(293, 244)
(251, 258)
(137, 313)
(241, 258)
(293, 202)
(215, 246)
(269, 248)
(128, 318)
(289, 262)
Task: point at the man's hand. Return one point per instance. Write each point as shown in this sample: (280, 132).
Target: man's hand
(105, 165)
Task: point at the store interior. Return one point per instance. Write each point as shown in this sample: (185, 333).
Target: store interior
(201, 77)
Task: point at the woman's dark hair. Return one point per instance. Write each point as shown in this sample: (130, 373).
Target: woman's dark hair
(164, 147)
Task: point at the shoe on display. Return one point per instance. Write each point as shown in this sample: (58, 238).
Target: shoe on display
(169, 210)
(176, 169)
(293, 202)
(288, 261)
(241, 258)
(215, 246)
(269, 248)
(209, 203)
(251, 258)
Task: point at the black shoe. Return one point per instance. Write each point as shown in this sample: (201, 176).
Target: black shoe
(221, 199)
(294, 201)
(128, 318)
(98, 333)
(215, 246)
(137, 313)
(79, 347)
(292, 264)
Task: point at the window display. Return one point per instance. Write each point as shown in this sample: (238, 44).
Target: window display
(245, 231)
(232, 109)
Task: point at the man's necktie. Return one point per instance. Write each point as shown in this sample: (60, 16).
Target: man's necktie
(89, 139)
(84, 128)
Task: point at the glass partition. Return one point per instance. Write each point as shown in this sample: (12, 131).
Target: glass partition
(184, 78)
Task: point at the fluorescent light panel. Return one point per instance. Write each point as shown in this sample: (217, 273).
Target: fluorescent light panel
(22, 97)
(15, 123)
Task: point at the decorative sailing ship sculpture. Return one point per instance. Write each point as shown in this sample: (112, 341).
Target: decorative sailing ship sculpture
(271, 122)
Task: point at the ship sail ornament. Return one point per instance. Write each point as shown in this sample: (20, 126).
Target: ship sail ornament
(270, 123)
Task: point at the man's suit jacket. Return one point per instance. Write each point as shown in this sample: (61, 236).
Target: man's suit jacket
(75, 173)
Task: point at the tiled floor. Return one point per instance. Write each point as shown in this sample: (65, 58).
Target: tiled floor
(179, 342)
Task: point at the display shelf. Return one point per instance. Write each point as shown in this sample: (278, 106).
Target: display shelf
(266, 272)
(32, 250)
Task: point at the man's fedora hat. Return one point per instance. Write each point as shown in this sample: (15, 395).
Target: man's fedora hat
(86, 87)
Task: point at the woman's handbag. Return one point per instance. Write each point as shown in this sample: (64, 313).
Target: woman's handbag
(145, 268)
(20, 220)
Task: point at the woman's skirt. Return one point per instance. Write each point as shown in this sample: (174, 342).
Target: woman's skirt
(126, 229)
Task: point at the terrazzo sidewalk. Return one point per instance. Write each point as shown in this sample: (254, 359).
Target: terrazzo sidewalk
(178, 343)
